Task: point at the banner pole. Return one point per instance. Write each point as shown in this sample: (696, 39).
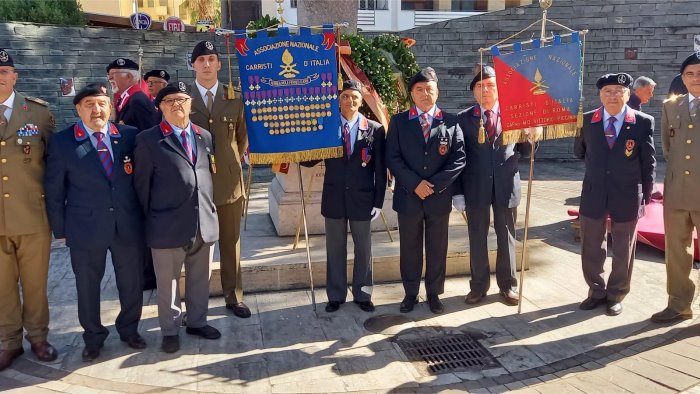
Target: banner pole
(311, 182)
(247, 195)
(386, 225)
(306, 238)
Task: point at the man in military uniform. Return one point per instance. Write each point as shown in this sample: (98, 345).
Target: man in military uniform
(156, 80)
(223, 117)
(617, 145)
(680, 123)
(490, 180)
(425, 153)
(25, 126)
(133, 106)
(91, 202)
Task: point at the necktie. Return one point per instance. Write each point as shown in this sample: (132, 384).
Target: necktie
(103, 152)
(210, 100)
(186, 145)
(694, 107)
(610, 133)
(490, 126)
(346, 139)
(425, 125)
(3, 119)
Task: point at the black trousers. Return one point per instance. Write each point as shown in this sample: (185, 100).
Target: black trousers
(415, 230)
(89, 268)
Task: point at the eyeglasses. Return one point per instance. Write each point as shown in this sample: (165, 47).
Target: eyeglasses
(613, 92)
(178, 101)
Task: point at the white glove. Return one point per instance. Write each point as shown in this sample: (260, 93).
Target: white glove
(458, 203)
(534, 134)
(375, 213)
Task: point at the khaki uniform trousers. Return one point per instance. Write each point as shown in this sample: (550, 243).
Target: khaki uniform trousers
(230, 250)
(24, 259)
(678, 226)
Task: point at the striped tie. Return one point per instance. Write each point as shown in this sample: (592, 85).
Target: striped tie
(610, 133)
(490, 126)
(186, 145)
(425, 124)
(346, 138)
(103, 152)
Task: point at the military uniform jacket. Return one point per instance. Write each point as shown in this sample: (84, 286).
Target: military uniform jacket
(619, 180)
(227, 124)
(176, 194)
(84, 206)
(681, 148)
(411, 160)
(490, 168)
(22, 154)
(138, 111)
(351, 189)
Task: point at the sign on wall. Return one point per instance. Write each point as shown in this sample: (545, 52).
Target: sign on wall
(140, 21)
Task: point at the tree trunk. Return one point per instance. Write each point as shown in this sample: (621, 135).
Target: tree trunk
(318, 12)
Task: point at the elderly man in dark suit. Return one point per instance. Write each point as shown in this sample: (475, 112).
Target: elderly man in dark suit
(133, 106)
(91, 202)
(353, 191)
(174, 163)
(617, 145)
(490, 180)
(425, 153)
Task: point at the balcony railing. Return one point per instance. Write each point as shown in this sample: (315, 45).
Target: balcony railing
(422, 18)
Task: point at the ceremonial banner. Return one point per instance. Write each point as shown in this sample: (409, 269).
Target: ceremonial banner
(290, 91)
(540, 87)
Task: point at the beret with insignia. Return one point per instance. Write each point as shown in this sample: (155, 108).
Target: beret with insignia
(204, 48)
(425, 75)
(352, 85)
(123, 64)
(162, 74)
(620, 79)
(488, 72)
(6, 59)
(690, 60)
(91, 90)
(172, 88)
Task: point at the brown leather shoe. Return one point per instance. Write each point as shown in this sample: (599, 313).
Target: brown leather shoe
(240, 309)
(8, 356)
(44, 351)
(510, 297)
(474, 297)
(668, 315)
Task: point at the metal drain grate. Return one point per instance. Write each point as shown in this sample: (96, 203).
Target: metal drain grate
(448, 353)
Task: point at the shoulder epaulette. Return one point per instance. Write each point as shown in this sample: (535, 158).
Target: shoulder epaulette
(235, 88)
(37, 100)
(672, 98)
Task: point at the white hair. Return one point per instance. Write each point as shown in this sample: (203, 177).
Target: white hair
(134, 73)
(642, 82)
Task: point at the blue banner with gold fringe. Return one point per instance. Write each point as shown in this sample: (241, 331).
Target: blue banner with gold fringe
(290, 90)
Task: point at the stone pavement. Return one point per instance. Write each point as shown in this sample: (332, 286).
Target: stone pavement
(286, 346)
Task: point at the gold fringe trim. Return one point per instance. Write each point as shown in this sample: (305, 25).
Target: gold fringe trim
(482, 132)
(295, 157)
(552, 132)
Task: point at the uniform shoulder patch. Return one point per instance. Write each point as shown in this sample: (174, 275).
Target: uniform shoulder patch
(37, 100)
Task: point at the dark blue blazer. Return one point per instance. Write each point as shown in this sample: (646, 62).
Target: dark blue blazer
(84, 206)
(411, 160)
(489, 167)
(618, 181)
(139, 112)
(176, 194)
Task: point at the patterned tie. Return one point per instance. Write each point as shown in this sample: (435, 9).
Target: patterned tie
(694, 107)
(210, 101)
(425, 125)
(103, 152)
(3, 119)
(346, 139)
(610, 133)
(186, 145)
(490, 126)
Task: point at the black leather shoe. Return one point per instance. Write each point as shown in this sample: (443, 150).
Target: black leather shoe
(8, 356)
(591, 303)
(668, 315)
(240, 309)
(135, 341)
(171, 343)
(474, 297)
(510, 297)
(206, 332)
(91, 352)
(408, 303)
(332, 306)
(366, 306)
(614, 308)
(435, 304)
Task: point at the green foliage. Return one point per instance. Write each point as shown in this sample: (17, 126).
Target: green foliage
(377, 68)
(403, 61)
(54, 12)
(263, 23)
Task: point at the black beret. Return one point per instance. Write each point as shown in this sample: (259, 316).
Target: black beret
(162, 74)
(91, 90)
(172, 88)
(425, 75)
(123, 64)
(689, 61)
(6, 59)
(621, 79)
(488, 72)
(352, 85)
(204, 48)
